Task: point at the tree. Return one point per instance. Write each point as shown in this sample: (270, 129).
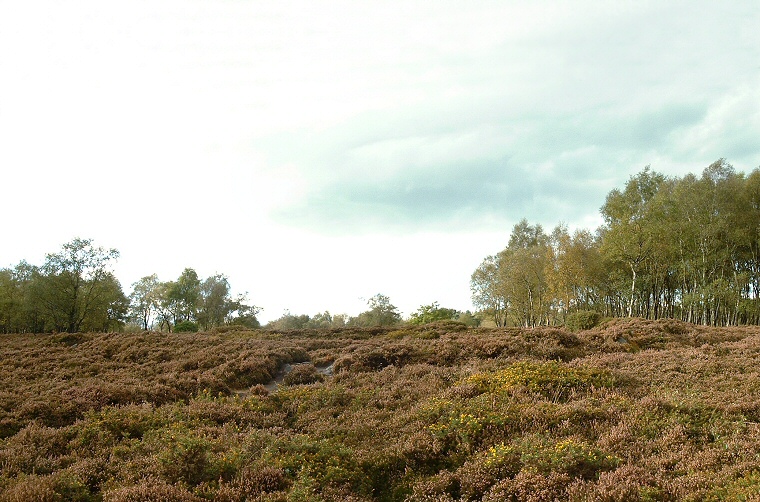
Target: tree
(488, 291)
(526, 236)
(246, 316)
(575, 271)
(289, 321)
(327, 320)
(185, 296)
(628, 236)
(145, 300)
(215, 303)
(512, 285)
(110, 306)
(685, 247)
(179, 300)
(321, 320)
(208, 302)
(431, 313)
(749, 227)
(381, 313)
(469, 319)
(72, 285)
(11, 302)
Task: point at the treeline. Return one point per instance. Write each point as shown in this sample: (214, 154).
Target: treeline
(671, 247)
(380, 312)
(189, 303)
(75, 291)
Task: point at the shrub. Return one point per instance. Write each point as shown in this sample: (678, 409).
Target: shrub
(551, 379)
(578, 459)
(324, 462)
(747, 487)
(187, 458)
(432, 313)
(253, 481)
(151, 490)
(51, 488)
(530, 486)
(303, 374)
(478, 475)
(481, 414)
(582, 320)
(186, 327)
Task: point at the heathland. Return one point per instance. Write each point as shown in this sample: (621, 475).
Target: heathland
(630, 410)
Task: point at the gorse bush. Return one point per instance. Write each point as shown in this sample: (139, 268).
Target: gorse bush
(746, 487)
(550, 379)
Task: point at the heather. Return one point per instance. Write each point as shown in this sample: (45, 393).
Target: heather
(629, 410)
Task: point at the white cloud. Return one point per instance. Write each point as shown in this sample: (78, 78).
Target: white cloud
(729, 129)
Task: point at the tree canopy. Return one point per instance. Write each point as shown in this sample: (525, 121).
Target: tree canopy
(76, 290)
(381, 313)
(73, 290)
(681, 247)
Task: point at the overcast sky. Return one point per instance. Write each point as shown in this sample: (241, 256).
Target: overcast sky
(318, 153)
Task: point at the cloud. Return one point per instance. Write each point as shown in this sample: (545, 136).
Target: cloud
(435, 173)
(538, 124)
(729, 128)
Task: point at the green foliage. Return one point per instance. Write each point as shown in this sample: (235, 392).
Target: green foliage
(61, 486)
(746, 487)
(575, 458)
(186, 327)
(512, 286)
(145, 300)
(322, 320)
(582, 319)
(381, 313)
(487, 289)
(289, 321)
(77, 285)
(182, 297)
(469, 319)
(432, 313)
(73, 291)
(685, 248)
(317, 463)
(205, 302)
(186, 459)
(551, 379)
(214, 302)
(190, 458)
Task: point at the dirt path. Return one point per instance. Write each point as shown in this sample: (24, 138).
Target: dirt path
(273, 385)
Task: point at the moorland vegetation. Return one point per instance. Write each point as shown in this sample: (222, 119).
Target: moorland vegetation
(630, 410)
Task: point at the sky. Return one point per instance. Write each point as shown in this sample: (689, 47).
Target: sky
(319, 153)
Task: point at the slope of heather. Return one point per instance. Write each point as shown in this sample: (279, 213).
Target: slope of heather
(632, 410)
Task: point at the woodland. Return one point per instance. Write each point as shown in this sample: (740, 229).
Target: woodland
(684, 248)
